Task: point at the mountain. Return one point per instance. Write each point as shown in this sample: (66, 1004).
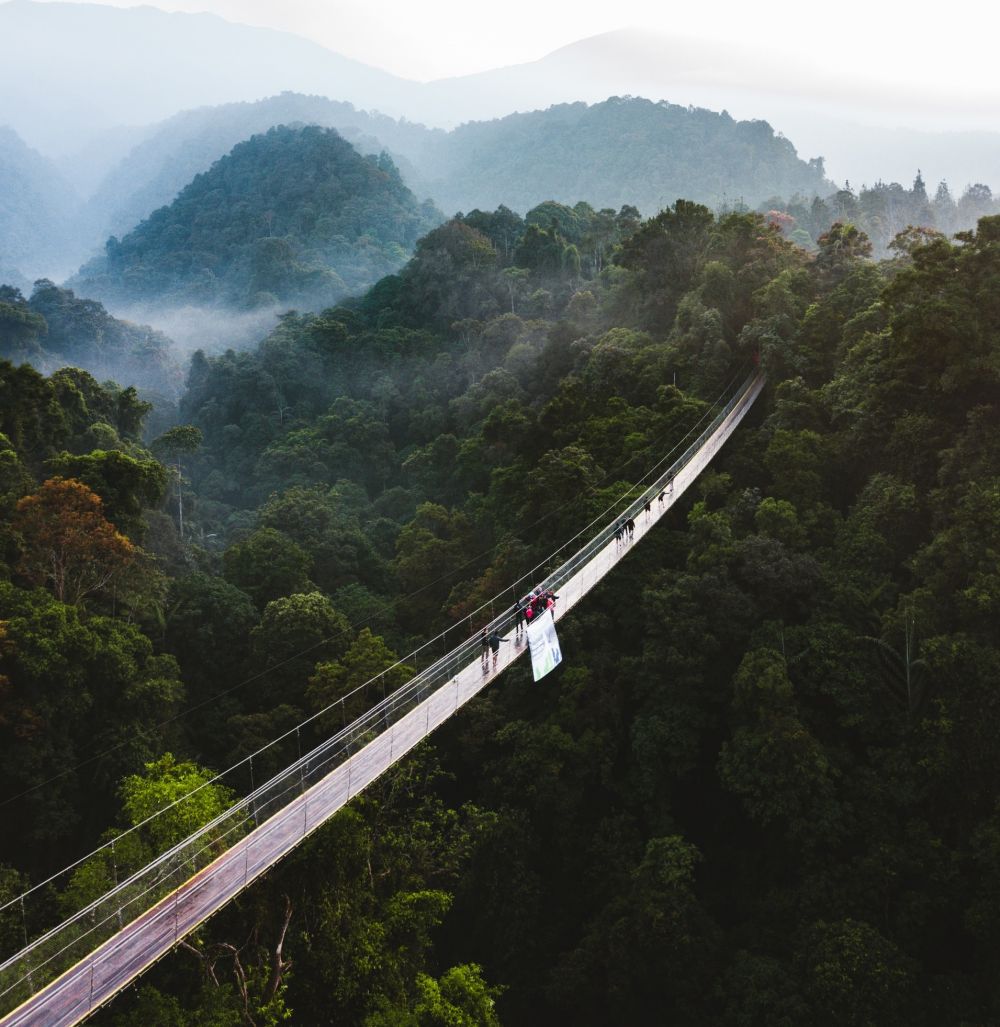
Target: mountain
(92, 68)
(865, 129)
(172, 153)
(99, 75)
(295, 215)
(37, 207)
(622, 151)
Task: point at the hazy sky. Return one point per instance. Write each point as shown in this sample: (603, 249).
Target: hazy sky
(944, 46)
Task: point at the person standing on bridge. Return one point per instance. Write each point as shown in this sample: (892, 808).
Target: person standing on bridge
(484, 641)
(518, 617)
(495, 641)
(646, 508)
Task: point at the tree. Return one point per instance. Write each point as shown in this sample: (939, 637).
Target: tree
(773, 763)
(839, 248)
(267, 565)
(68, 543)
(855, 976)
(173, 444)
(177, 798)
(208, 625)
(126, 484)
(460, 998)
(368, 658)
(73, 686)
(664, 255)
(294, 633)
(161, 784)
(20, 329)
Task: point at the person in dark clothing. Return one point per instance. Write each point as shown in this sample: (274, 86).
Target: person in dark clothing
(630, 527)
(663, 495)
(646, 508)
(518, 617)
(484, 640)
(495, 641)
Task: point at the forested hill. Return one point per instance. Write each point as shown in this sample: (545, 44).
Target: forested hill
(55, 328)
(622, 151)
(38, 211)
(295, 216)
(761, 788)
(190, 142)
(625, 150)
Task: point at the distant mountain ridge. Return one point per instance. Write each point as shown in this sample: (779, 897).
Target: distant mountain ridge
(100, 73)
(93, 67)
(156, 170)
(621, 151)
(37, 208)
(292, 216)
(625, 150)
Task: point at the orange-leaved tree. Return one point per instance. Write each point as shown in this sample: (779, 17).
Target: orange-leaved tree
(68, 543)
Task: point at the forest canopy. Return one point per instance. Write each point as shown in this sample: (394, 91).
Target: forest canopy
(294, 215)
(761, 788)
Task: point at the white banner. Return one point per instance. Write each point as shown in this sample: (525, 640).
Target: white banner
(543, 644)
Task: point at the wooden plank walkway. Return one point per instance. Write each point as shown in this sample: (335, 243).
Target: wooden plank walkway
(113, 965)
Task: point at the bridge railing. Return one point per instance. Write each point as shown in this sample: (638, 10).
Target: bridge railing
(49, 955)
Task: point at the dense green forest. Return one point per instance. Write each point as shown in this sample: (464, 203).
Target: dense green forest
(178, 149)
(55, 328)
(625, 150)
(883, 211)
(294, 216)
(761, 789)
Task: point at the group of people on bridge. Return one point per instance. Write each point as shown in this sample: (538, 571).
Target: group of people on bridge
(625, 528)
(525, 610)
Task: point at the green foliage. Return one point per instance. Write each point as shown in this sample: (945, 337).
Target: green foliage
(295, 632)
(896, 220)
(80, 332)
(73, 686)
(762, 787)
(368, 657)
(267, 565)
(184, 438)
(460, 998)
(294, 215)
(624, 150)
(855, 975)
(126, 485)
(162, 783)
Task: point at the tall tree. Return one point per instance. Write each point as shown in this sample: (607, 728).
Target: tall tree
(173, 444)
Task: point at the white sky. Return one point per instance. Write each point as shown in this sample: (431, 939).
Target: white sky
(946, 46)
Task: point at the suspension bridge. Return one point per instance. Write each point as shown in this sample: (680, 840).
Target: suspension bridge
(60, 977)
